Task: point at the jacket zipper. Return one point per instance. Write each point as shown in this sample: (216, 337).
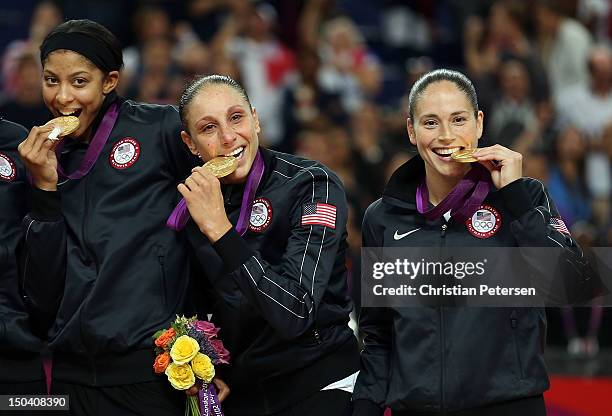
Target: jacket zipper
(317, 336)
(442, 404)
(514, 324)
(160, 259)
(442, 343)
(90, 258)
(88, 250)
(25, 264)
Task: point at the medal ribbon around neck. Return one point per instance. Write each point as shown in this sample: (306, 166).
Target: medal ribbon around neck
(462, 201)
(180, 215)
(95, 146)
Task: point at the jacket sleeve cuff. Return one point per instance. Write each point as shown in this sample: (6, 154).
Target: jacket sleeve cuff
(516, 198)
(362, 407)
(233, 250)
(46, 205)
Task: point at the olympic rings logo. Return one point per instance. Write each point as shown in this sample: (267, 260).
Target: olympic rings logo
(483, 225)
(258, 219)
(261, 215)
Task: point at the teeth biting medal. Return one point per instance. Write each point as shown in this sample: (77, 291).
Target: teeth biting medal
(222, 166)
(464, 155)
(62, 126)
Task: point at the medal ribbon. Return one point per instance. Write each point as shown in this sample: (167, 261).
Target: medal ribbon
(95, 146)
(462, 201)
(180, 215)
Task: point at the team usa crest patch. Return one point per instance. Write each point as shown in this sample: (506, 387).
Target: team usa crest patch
(485, 222)
(8, 171)
(125, 153)
(317, 213)
(261, 215)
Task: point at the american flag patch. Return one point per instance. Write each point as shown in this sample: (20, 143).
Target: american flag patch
(483, 215)
(317, 213)
(559, 225)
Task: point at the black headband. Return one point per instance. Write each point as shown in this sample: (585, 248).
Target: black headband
(90, 47)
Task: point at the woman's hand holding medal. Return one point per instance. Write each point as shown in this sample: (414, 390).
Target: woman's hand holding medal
(202, 193)
(38, 150)
(505, 165)
(38, 155)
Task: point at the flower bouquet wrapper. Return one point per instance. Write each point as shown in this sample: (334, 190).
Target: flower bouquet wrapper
(209, 402)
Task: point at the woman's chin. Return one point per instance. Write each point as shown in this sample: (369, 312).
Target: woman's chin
(236, 177)
(450, 171)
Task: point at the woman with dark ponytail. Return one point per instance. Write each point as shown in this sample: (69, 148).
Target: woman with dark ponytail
(443, 359)
(101, 270)
(271, 237)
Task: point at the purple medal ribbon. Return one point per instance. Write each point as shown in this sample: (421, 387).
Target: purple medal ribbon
(209, 402)
(180, 215)
(253, 181)
(462, 201)
(95, 146)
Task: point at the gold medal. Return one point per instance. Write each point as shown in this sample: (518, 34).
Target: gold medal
(222, 166)
(62, 126)
(464, 156)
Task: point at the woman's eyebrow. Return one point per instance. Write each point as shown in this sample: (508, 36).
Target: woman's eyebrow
(204, 119)
(74, 74)
(234, 108)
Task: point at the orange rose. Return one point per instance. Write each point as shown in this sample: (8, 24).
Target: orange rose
(161, 362)
(163, 340)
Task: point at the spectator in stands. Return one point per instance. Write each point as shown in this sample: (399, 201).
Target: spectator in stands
(265, 63)
(588, 106)
(566, 181)
(514, 123)
(563, 45)
(158, 79)
(503, 36)
(149, 22)
(25, 105)
(45, 17)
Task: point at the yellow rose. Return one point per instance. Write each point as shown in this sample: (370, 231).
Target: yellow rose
(184, 349)
(203, 367)
(180, 376)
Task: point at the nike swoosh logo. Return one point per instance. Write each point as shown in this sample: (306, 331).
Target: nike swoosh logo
(397, 236)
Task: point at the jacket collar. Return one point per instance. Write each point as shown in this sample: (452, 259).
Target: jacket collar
(401, 188)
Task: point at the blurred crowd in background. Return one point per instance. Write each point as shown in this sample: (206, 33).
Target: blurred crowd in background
(330, 79)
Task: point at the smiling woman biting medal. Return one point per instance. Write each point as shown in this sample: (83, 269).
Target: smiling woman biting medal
(271, 239)
(102, 271)
(458, 360)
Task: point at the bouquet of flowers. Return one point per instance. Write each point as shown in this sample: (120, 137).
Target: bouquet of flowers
(187, 353)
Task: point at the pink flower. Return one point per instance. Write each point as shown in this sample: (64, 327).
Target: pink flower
(224, 355)
(207, 328)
